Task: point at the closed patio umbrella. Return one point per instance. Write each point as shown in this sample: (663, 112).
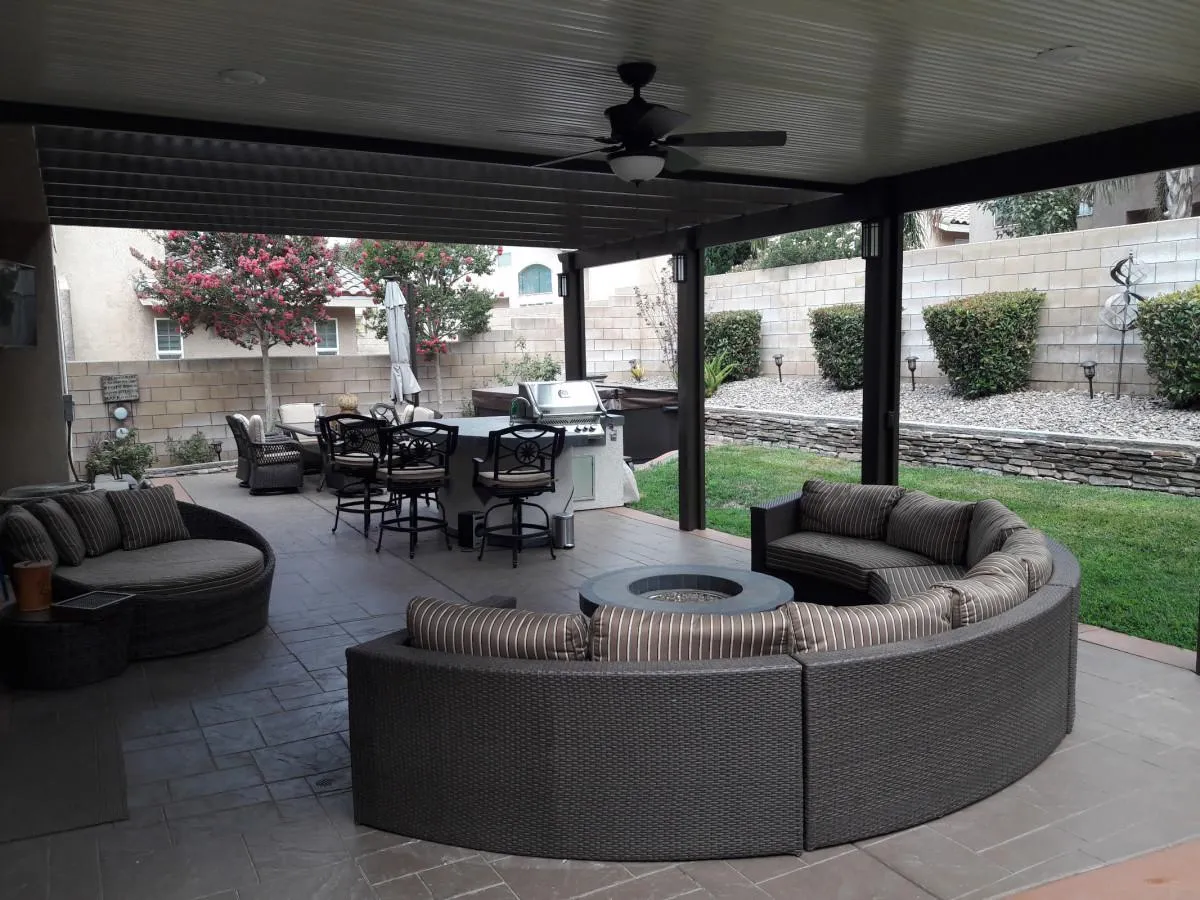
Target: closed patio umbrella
(404, 382)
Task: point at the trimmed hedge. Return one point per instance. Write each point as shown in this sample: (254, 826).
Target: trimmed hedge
(1170, 327)
(837, 336)
(736, 336)
(985, 343)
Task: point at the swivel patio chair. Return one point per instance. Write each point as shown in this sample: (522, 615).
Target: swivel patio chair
(519, 465)
(268, 465)
(416, 464)
(350, 444)
(304, 416)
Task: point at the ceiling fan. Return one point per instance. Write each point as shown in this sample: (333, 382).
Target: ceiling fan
(641, 143)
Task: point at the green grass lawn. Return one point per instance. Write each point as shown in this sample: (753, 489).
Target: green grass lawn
(1139, 550)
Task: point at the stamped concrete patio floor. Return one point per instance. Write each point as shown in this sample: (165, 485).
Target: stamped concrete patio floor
(237, 760)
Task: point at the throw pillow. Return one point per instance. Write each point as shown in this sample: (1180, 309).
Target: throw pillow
(636, 635)
(851, 510)
(62, 530)
(94, 517)
(818, 628)
(256, 429)
(148, 517)
(931, 526)
(24, 539)
(451, 627)
(994, 585)
(991, 524)
(1029, 546)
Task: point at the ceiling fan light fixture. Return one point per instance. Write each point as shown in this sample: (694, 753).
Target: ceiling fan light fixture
(636, 167)
(242, 77)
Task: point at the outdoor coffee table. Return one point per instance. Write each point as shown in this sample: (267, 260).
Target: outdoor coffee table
(716, 590)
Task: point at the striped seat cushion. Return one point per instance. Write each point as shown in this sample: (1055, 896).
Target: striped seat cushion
(93, 515)
(355, 459)
(994, 585)
(851, 510)
(178, 569)
(620, 634)
(846, 560)
(148, 517)
(1029, 545)
(887, 585)
(991, 524)
(515, 479)
(62, 530)
(818, 628)
(419, 474)
(931, 526)
(453, 627)
(24, 539)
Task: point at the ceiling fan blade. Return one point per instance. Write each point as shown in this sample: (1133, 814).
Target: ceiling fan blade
(678, 161)
(660, 120)
(728, 139)
(565, 134)
(563, 159)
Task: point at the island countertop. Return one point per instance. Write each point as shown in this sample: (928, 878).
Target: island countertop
(479, 427)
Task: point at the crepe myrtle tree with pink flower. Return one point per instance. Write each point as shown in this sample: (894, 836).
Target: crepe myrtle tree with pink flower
(256, 290)
(446, 303)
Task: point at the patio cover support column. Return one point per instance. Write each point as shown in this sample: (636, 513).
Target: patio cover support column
(883, 247)
(574, 326)
(690, 359)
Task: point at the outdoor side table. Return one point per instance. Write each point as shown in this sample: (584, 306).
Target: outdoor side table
(39, 650)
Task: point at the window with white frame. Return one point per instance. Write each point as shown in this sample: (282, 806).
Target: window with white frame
(168, 339)
(534, 279)
(504, 260)
(327, 337)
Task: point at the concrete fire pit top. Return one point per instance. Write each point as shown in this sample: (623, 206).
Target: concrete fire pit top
(715, 590)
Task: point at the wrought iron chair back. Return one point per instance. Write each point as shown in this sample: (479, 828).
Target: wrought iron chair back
(419, 446)
(345, 434)
(525, 450)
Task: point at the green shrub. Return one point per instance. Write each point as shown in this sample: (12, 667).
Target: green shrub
(716, 371)
(837, 336)
(195, 449)
(126, 455)
(1170, 326)
(528, 367)
(736, 335)
(985, 343)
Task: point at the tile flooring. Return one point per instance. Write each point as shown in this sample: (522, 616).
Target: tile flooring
(238, 763)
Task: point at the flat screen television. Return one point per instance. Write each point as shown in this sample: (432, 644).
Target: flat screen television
(18, 305)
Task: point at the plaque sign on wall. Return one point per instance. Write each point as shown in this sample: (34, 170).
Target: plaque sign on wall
(118, 388)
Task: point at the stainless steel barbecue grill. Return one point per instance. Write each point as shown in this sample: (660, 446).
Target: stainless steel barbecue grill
(573, 405)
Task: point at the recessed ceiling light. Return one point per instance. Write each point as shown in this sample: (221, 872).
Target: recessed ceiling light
(1065, 54)
(241, 76)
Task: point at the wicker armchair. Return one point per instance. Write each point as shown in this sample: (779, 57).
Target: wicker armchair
(273, 465)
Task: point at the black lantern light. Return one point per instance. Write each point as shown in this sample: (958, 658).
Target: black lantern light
(216, 449)
(1089, 372)
(912, 371)
(562, 284)
(779, 365)
(679, 268)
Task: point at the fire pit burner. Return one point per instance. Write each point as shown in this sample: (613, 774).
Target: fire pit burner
(686, 596)
(700, 589)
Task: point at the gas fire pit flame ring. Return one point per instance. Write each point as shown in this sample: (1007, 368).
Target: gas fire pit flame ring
(714, 590)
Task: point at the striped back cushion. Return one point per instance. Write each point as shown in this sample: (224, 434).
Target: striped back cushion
(851, 510)
(1029, 546)
(818, 627)
(62, 530)
(452, 627)
(148, 517)
(994, 585)
(24, 539)
(94, 517)
(256, 429)
(637, 635)
(930, 526)
(991, 524)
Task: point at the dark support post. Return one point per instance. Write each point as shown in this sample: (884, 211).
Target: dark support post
(883, 249)
(691, 386)
(574, 326)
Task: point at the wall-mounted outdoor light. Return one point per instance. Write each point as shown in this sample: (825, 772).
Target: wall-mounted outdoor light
(679, 268)
(1089, 372)
(779, 365)
(912, 371)
(872, 239)
(562, 284)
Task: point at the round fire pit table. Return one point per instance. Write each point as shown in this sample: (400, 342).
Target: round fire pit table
(716, 590)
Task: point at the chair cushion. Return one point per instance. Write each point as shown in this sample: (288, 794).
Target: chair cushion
(257, 430)
(846, 560)
(817, 628)
(177, 569)
(515, 479)
(1029, 545)
(453, 627)
(62, 530)
(25, 539)
(886, 585)
(851, 510)
(991, 524)
(96, 520)
(994, 585)
(357, 459)
(302, 414)
(931, 526)
(418, 474)
(636, 635)
(148, 517)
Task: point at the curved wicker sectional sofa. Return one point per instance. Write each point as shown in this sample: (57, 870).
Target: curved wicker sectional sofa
(710, 759)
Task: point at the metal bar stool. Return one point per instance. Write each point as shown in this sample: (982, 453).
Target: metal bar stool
(351, 446)
(519, 465)
(416, 464)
